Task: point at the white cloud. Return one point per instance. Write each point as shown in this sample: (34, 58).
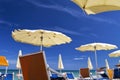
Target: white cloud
(81, 58)
(74, 32)
(4, 22)
(66, 30)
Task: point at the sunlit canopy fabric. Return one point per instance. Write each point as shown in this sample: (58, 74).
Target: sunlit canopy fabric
(18, 61)
(3, 61)
(40, 37)
(98, 6)
(107, 64)
(90, 66)
(96, 46)
(60, 62)
(115, 54)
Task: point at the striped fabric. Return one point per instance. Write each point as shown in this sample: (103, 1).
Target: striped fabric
(3, 61)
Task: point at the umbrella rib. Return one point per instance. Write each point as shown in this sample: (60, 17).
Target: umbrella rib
(49, 38)
(85, 4)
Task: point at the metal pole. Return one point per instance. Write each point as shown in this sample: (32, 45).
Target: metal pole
(96, 61)
(60, 71)
(41, 38)
(41, 48)
(6, 70)
(19, 74)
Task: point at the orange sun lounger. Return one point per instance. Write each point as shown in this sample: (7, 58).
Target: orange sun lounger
(34, 66)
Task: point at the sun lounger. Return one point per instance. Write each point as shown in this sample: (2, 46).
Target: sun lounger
(54, 76)
(110, 73)
(103, 74)
(85, 74)
(34, 66)
(116, 73)
(7, 76)
(70, 76)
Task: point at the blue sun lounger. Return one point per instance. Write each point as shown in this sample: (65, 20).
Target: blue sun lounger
(7, 76)
(54, 76)
(70, 76)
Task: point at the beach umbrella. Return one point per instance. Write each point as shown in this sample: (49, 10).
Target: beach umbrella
(115, 54)
(60, 63)
(98, 6)
(40, 37)
(106, 63)
(90, 66)
(3, 61)
(18, 66)
(96, 46)
(18, 61)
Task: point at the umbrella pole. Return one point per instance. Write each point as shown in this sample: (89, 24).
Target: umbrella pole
(41, 41)
(6, 70)
(41, 48)
(96, 63)
(60, 71)
(19, 73)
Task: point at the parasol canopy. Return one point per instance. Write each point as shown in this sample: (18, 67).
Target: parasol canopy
(3, 61)
(98, 6)
(90, 66)
(60, 63)
(40, 37)
(115, 54)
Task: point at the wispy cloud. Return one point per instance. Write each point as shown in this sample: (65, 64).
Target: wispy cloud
(75, 32)
(11, 62)
(81, 58)
(74, 12)
(66, 31)
(10, 24)
(55, 6)
(98, 19)
(4, 22)
(4, 51)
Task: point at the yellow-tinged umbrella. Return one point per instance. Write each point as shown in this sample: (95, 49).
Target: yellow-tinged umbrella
(18, 61)
(98, 6)
(18, 66)
(106, 63)
(90, 66)
(115, 54)
(40, 37)
(96, 46)
(60, 63)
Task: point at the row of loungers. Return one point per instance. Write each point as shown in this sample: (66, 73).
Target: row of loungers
(108, 74)
(85, 75)
(34, 67)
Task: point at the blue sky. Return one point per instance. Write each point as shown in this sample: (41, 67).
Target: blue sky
(63, 16)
